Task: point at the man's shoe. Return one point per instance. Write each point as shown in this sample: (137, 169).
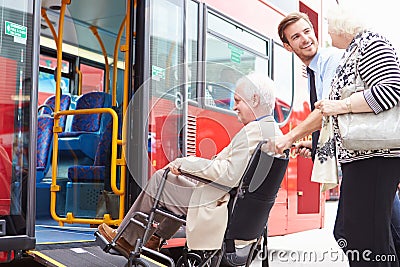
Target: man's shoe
(106, 231)
(154, 243)
(122, 245)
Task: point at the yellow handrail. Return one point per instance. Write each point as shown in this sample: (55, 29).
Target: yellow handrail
(115, 70)
(114, 103)
(56, 127)
(103, 49)
(55, 188)
(53, 31)
(126, 49)
(80, 80)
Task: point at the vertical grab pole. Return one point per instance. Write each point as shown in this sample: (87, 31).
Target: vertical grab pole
(103, 49)
(56, 128)
(115, 70)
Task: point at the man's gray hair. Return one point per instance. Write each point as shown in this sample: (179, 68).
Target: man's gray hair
(261, 85)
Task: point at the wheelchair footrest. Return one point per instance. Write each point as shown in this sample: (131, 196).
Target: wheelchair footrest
(106, 246)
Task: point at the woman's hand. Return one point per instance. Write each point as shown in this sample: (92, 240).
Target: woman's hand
(331, 107)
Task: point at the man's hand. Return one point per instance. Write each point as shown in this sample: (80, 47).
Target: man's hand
(303, 148)
(174, 166)
(283, 142)
(310, 124)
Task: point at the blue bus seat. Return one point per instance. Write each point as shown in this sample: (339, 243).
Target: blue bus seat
(84, 123)
(44, 145)
(99, 170)
(43, 163)
(83, 134)
(86, 183)
(49, 104)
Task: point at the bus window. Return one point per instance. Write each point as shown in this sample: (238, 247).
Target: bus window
(16, 76)
(192, 20)
(166, 48)
(92, 79)
(283, 78)
(50, 63)
(237, 52)
(47, 82)
(166, 80)
(237, 33)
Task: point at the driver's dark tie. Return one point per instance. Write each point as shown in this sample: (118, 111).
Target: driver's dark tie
(313, 99)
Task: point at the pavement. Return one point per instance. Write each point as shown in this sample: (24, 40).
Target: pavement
(308, 248)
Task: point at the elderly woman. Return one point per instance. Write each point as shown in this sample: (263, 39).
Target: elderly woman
(370, 177)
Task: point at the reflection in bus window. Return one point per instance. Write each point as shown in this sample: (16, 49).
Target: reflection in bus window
(166, 48)
(47, 86)
(222, 94)
(237, 52)
(282, 110)
(49, 62)
(166, 84)
(92, 79)
(235, 62)
(192, 50)
(47, 82)
(283, 78)
(236, 33)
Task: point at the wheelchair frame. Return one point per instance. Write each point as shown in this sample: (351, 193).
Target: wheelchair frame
(189, 258)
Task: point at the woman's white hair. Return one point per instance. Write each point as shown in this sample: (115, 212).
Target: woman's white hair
(261, 85)
(343, 21)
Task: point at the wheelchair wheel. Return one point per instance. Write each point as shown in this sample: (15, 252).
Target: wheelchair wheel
(193, 260)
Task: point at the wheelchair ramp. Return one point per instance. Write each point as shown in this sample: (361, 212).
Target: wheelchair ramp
(79, 254)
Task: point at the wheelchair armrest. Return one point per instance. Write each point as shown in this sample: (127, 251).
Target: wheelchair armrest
(167, 213)
(205, 181)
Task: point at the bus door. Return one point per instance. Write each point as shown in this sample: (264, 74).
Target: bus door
(158, 107)
(90, 93)
(18, 54)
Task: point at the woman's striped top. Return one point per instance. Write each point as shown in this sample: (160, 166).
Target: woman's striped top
(377, 64)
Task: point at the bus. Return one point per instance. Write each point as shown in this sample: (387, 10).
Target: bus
(98, 94)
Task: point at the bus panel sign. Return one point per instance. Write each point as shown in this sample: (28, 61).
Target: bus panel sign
(18, 31)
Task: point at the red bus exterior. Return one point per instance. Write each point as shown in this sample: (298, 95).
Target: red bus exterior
(300, 204)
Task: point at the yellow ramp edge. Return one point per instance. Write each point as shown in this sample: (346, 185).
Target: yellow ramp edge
(153, 261)
(45, 259)
(48, 261)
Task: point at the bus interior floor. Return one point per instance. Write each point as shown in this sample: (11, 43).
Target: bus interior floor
(49, 232)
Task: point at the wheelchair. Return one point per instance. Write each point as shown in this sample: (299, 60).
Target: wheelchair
(248, 208)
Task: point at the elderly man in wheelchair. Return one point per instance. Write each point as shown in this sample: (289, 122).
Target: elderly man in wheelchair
(200, 190)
